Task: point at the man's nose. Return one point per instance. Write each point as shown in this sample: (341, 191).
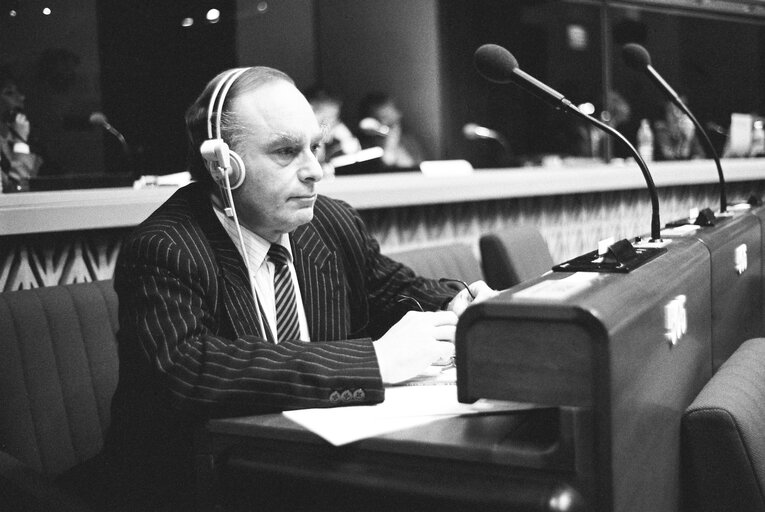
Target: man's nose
(311, 168)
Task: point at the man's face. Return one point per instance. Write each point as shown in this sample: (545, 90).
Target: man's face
(388, 114)
(327, 113)
(279, 153)
(11, 99)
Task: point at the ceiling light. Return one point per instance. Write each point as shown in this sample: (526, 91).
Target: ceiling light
(213, 16)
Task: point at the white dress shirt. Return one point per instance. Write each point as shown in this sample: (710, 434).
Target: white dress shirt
(262, 272)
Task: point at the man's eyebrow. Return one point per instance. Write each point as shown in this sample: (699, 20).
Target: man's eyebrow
(293, 139)
(284, 137)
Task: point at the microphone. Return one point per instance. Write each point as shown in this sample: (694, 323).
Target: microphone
(716, 128)
(498, 65)
(637, 58)
(472, 131)
(372, 126)
(99, 119)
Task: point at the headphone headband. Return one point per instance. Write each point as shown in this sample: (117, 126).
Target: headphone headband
(222, 87)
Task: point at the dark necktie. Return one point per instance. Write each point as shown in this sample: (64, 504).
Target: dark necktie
(287, 324)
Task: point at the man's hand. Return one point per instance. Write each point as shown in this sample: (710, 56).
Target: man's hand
(414, 343)
(479, 289)
(21, 126)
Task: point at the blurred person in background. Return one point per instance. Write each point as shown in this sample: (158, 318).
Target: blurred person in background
(18, 159)
(675, 135)
(381, 125)
(339, 139)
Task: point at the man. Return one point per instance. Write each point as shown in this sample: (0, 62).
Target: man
(400, 148)
(17, 161)
(339, 138)
(200, 338)
(676, 135)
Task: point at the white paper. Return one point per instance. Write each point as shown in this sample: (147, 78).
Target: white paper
(404, 407)
(740, 135)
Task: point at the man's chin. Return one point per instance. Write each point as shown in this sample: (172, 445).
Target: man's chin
(302, 216)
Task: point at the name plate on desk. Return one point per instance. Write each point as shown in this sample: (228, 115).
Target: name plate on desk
(439, 168)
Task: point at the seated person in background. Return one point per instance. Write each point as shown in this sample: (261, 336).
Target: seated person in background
(18, 160)
(675, 135)
(381, 125)
(339, 139)
(284, 302)
(617, 113)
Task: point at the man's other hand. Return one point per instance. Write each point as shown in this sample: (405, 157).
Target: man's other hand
(479, 289)
(414, 343)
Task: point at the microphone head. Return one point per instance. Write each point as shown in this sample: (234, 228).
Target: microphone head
(473, 131)
(98, 119)
(372, 126)
(495, 63)
(469, 131)
(635, 56)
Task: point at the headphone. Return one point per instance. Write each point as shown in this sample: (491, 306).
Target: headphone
(226, 166)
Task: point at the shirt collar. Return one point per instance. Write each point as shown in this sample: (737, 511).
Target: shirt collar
(255, 245)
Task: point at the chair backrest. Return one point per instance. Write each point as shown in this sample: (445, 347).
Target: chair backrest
(58, 372)
(514, 255)
(455, 260)
(723, 436)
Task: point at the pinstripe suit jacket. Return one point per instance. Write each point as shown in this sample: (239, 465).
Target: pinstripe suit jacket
(189, 340)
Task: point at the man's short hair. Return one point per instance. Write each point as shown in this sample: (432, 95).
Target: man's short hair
(371, 102)
(197, 114)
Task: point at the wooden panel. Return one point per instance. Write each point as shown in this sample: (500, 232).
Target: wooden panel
(640, 381)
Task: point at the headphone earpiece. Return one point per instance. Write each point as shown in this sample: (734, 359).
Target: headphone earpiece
(220, 160)
(236, 174)
(217, 157)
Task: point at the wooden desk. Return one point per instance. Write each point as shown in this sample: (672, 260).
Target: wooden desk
(514, 461)
(77, 210)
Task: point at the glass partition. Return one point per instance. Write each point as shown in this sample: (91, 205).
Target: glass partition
(106, 83)
(716, 63)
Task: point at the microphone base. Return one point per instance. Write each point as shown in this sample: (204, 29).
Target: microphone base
(621, 258)
(705, 218)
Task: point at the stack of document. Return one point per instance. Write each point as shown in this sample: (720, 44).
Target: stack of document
(423, 400)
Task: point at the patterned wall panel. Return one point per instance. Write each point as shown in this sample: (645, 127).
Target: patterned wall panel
(58, 258)
(571, 224)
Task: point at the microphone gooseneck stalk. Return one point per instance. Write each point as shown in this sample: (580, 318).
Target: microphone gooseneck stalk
(99, 119)
(655, 220)
(638, 58)
(498, 65)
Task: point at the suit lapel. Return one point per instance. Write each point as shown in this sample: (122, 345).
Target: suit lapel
(319, 275)
(238, 304)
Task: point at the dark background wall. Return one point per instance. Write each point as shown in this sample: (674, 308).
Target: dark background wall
(140, 67)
